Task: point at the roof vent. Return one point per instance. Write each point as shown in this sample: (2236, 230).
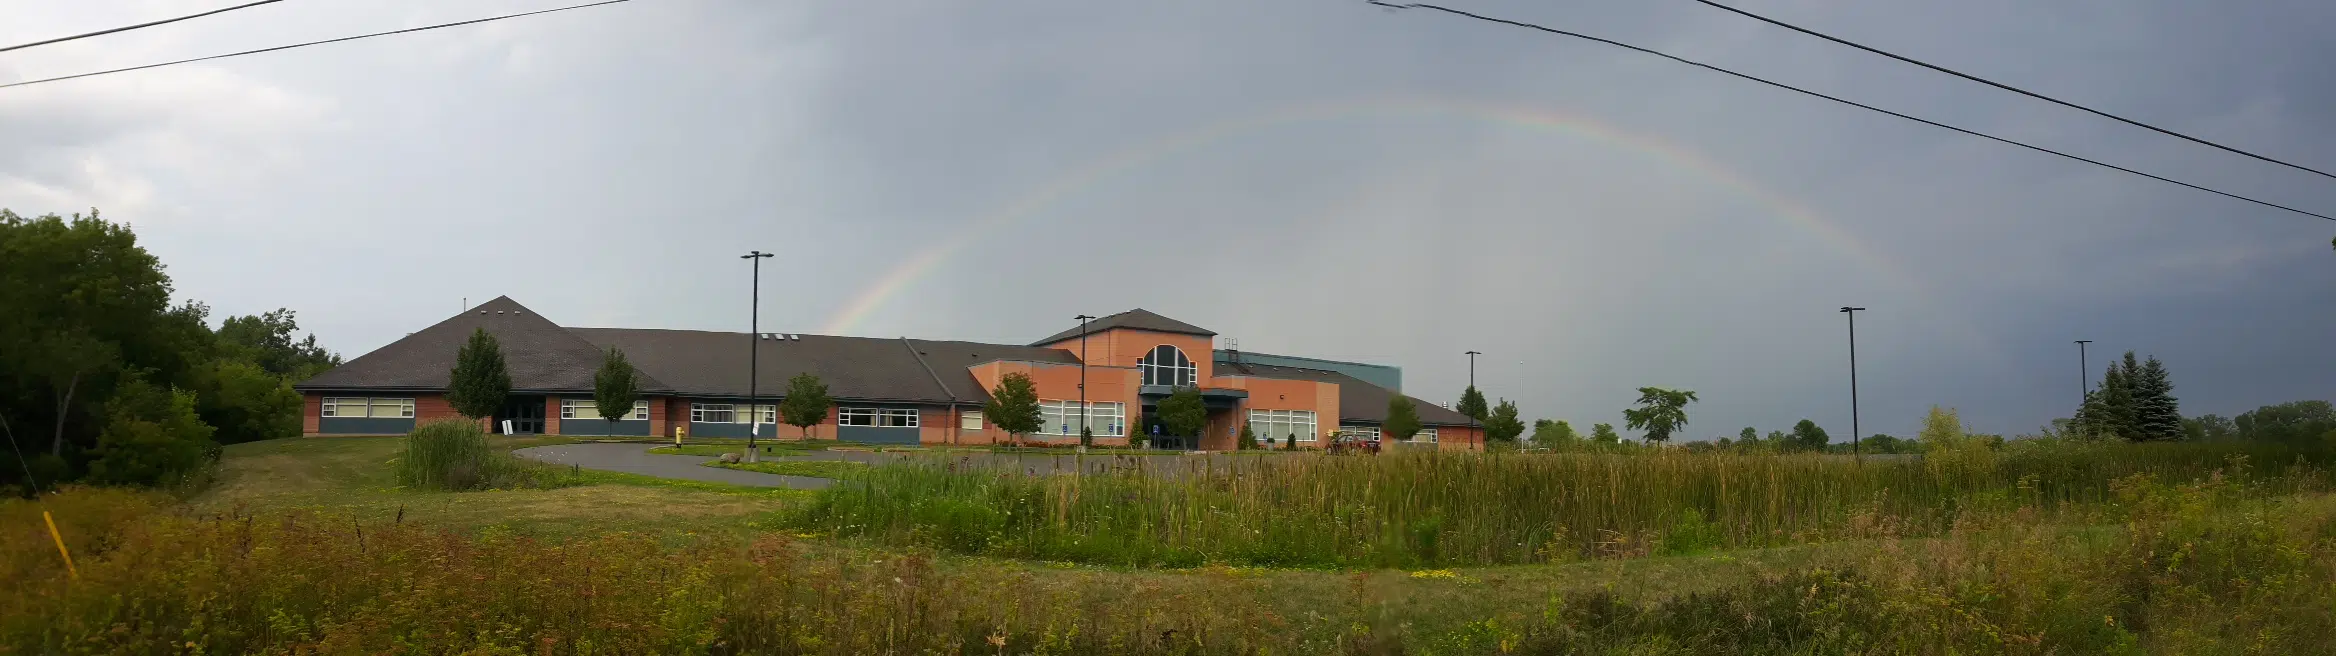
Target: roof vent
(797, 337)
(498, 312)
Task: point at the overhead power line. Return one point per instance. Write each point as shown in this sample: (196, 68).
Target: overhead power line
(1845, 101)
(2014, 89)
(311, 43)
(127, 28)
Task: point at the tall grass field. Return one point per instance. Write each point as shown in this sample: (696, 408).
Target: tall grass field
(2206, 567)
(1419, 510)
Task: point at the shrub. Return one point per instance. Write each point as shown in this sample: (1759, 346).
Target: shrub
(152, 437)
(453, 454)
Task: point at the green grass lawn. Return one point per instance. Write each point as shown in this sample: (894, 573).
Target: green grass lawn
(353, 475)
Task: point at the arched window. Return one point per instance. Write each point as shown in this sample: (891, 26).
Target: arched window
(1166, 365)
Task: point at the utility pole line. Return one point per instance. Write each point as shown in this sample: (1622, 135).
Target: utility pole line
(1854, 430)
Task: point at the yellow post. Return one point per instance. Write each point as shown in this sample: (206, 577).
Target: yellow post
(60, 538)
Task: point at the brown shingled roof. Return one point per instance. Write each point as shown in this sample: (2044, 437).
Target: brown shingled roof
(711, 363)
(1358, 401)
(540, 355)
(1139, 319)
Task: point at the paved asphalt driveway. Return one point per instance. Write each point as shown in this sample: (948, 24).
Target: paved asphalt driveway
(634, 458)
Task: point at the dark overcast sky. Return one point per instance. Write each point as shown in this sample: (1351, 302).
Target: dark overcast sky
(1313, 177)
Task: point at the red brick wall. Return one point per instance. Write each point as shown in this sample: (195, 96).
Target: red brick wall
(428, 407)
(311, 408)
(551, 415)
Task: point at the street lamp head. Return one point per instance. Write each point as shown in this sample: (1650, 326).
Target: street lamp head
(1473, 353)
(1846, 308)
(754, 254)
(2084, 341)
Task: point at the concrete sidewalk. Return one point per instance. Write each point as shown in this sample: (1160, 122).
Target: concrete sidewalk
(634, 458)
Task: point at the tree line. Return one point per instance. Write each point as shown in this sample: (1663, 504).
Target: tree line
(104, 380)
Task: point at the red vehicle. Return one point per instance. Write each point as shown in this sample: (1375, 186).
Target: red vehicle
(1354, 444)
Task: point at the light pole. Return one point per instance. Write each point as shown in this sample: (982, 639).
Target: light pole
(753, 351)
(1085, 416)
(2084, 373)
(1853, 425)
(1472, 385)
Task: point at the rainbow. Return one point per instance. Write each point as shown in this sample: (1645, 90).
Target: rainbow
(922, 263)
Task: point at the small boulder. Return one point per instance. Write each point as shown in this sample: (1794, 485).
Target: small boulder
(730, 458)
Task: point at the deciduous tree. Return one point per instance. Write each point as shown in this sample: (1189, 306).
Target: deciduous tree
(152, 436)
(1555, 435)
(1808, 436)
(1183, 413)
(1402, 420)
(266, 340)
(615, 387)
(807, 402)
(1013, 406)
(1604, 434)
(1660, 413)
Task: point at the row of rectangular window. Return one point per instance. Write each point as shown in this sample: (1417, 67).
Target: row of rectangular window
(1425, 434)
(587, 409)
(737, 413)
(1282, 425)
(1108, 418)
(883, 417)
(733, 413)
(359, 406)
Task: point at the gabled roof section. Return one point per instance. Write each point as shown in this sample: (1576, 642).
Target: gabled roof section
(1358, 401)
(953, 362)
(540, 355)
(1138, 319)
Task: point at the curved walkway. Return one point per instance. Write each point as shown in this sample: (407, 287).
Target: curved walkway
(634, 458)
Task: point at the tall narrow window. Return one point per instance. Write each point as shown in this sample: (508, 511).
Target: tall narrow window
(1166, 365)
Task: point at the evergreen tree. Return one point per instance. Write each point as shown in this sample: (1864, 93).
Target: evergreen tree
(1013, 406)
(615, 388)
(1503, 425)
(2109, 410)
(480, 381)
(1248, 438)
(2157, 416)
(806, 403)
(1472, 404)
(1402, 419)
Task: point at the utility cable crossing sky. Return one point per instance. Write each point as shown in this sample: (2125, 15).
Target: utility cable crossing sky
(2017, 90)
(1837, 99)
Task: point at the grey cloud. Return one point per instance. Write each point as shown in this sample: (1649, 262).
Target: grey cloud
(604, 166)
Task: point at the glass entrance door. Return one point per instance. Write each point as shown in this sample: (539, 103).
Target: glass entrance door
(525, 414)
